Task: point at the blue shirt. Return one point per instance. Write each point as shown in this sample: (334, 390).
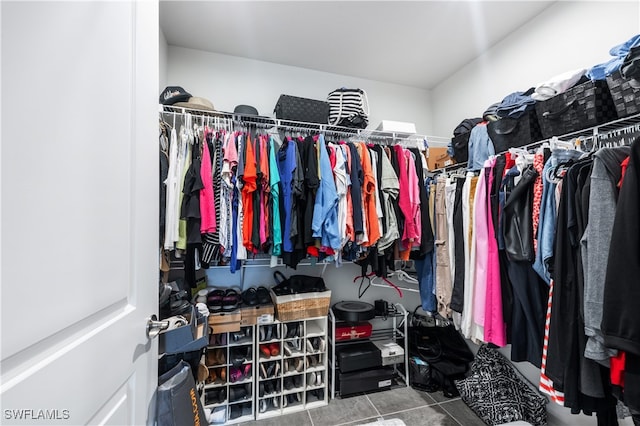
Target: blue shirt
(325, 210)
(601, 71)
(480, 147)
(286, 167)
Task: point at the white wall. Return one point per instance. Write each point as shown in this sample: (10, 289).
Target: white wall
(228, 81)
(565, 36)
(163, 60)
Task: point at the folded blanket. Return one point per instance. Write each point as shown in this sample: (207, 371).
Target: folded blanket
(558, 84)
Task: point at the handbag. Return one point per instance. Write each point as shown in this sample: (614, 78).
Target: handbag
(297, 284)
(348, 108)
(178, 400)
(437, 342)
(509, 132)
(295, 108)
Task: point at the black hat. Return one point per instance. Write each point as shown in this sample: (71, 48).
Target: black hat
(172, 94)
(245, 110)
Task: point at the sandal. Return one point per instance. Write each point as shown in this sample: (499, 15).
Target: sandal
(214, 300)
(230, 300)
(264, 298)
(250, 297)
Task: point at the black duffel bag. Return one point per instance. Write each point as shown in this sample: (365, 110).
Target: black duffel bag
(295, 108)
(460, 140)
(442, 347)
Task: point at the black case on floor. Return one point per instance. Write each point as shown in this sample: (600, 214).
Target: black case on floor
(358, 356)
(365, 380)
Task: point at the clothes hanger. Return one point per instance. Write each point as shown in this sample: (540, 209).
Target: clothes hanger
(372, 282)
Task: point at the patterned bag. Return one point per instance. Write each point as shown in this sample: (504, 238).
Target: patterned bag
(498, 394)
(348, 108)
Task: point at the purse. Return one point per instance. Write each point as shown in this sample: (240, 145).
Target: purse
(295, 108)
(297, 284)
(348, 108)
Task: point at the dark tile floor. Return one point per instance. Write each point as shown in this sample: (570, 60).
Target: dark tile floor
(413, 407)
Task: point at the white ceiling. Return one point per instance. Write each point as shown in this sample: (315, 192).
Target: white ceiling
(416, 44)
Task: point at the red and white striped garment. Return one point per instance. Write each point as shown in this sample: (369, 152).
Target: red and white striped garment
(546, 384)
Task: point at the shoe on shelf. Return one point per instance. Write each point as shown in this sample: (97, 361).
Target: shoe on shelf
(311, 379)
(263, 371)
(261, 333)
(284, 401)
(235, 411)
(268, 388)
(265, 350)
(275, 349)
(269, 333)
(246, 371)
(276, 369)
(218, 415)
(275, 402)
(287, 349)
(222, 396)
(309, 345)
(299, 364)
(264, 298)
(235, 375)
(222, 373)
(284, 329)
(288, 383)
(263, 406)
(297, 381)
(276, 331)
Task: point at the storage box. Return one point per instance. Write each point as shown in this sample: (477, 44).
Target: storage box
(511, 132)
(390, 352)
(251, 315)
(358, 356)
(190, 337)
(585, 105)
(444, 160)
(291, 307)
(366, 380)
(625, 98)
(225, 322)
(397, 127)
(349, 331)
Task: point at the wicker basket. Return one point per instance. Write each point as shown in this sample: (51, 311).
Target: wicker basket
(293, 307)
(625, 98)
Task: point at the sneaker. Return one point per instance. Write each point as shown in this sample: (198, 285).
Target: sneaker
(297, 381)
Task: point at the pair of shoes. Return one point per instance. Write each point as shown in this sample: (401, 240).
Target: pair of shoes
(315, 344)
(239, 355)
(314, 379)
(238, 374)
(214, 300)
(215, 395)
(270, 349)
(269, 387)
(230, 300)
(291, 399)
(215, 357)
(294, 330)
(317, 393)
(218, 339)
(269, 332)
(293, 382)
(269, 369)
(217, 374)
(238, 393)
(295, 344)
(218, 415)
(294, 364)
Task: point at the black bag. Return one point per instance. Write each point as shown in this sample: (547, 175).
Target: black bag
(178, 400)
(584, 105)
(442, 347)
(348, 108)
(510, 132)
(296, 284)
(302, 109)
(460, 140)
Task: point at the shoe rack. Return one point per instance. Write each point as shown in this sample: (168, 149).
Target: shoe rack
(229, 389)
(291, 366)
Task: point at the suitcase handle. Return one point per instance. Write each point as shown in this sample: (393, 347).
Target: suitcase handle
(555, 115)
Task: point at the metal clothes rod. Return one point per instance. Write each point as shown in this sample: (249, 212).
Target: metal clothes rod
(248, 120)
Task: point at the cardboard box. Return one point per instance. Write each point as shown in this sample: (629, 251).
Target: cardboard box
(225, 322)
(438, 158)
(261, 314)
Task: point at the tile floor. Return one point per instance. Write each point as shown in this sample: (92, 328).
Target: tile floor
(413, 407)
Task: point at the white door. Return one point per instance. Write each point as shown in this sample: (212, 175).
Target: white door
(79, 212)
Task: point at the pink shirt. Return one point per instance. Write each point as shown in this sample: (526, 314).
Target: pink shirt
(207, 205)
(495, 328)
